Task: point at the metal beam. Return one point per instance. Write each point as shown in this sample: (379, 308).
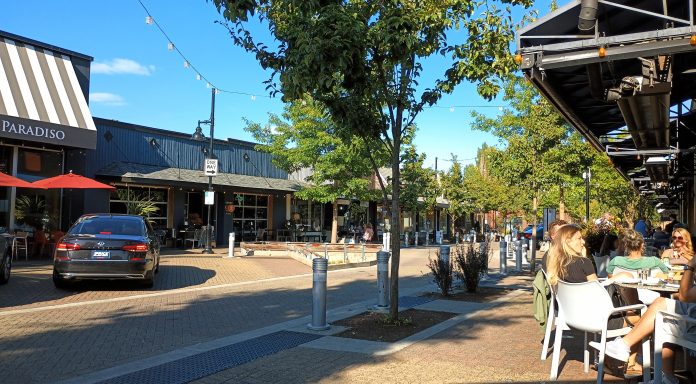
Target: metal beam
(664, 47)
(645, 12)
(628, 38)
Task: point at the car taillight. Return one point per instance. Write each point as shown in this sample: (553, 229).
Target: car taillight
(135, 247)
(67, 247)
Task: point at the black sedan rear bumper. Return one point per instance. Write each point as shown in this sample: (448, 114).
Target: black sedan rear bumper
(103, 269)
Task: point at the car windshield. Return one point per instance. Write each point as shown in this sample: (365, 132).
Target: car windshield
(101, 225)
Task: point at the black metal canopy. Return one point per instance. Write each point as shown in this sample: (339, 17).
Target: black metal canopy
(626, 85)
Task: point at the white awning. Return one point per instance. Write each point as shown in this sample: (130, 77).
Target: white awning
(42, 87)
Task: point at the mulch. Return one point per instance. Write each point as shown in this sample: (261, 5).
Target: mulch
(372, 325)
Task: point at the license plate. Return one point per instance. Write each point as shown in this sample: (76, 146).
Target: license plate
(101, 255)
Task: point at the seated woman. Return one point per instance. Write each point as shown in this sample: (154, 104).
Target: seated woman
(620, 347)
(634, 245)
(368, 233)
(567, 262)
(682, 250)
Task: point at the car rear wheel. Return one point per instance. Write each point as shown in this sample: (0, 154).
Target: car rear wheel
(149, 281)
(59, 282)
(6, 268)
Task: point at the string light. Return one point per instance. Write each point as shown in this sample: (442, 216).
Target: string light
(187, 63)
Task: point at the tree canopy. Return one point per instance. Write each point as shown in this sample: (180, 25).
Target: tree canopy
(363, 60)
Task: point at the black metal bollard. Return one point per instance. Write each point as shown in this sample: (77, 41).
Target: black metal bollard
(319, 268)
(382, 280)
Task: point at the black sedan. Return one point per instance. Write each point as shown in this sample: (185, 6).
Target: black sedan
(107, 247)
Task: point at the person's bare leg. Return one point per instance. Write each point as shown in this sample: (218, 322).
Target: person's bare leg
(646, 325)
(668, 355)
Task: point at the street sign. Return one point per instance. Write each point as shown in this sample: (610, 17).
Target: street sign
(211, 167)
(209, 198)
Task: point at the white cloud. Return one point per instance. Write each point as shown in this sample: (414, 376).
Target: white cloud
(106, 98)
(122, 66)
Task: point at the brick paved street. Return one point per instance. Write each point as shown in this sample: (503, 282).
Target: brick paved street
(49, 335)
(196, 298)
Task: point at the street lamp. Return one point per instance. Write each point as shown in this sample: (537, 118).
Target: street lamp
(587, 175)
(198, 135)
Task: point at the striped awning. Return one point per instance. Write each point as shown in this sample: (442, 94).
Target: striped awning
(41, 98)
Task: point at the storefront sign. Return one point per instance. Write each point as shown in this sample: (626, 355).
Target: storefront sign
(44, 132)
(209, 198)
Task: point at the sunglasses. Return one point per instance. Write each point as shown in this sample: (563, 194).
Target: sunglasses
(677, 238)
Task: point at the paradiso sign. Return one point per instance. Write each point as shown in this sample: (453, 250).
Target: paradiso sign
(45, 132)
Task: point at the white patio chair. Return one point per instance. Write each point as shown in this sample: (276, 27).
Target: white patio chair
(664, 333)
(587, 307)
(551, 319)
(601, 263)
(645, 295)
(20, 243)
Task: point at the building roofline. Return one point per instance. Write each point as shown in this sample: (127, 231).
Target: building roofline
(160, 131)
(40, 44)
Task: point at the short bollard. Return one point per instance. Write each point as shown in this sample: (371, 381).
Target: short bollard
(319, 267)
(503, 257)
(382, 280)
(445, 254)
(405, 239)
(456, 238)
(230, 252)
(518, 256)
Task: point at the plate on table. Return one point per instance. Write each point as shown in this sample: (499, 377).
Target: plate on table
(652, 281)
(628, 280)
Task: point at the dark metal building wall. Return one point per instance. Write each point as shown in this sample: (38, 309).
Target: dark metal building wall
(171, 149)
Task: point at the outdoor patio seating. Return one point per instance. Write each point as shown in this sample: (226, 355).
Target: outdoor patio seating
(20, 243)
(587, 307)
(644, 295)
(551, 319)
(195, 239)
(601, 263)
(666, 334)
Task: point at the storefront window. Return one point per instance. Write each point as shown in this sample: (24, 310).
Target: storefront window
(144, 201)
(250, 214)
(37, 209)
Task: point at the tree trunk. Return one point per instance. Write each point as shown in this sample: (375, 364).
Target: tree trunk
(395, 241)
(334, 222)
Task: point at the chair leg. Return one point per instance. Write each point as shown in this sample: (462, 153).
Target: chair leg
(547, 335)
(585, 355)
(556, 350)
(600, 361)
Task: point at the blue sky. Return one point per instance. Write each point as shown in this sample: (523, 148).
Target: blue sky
(136, 79)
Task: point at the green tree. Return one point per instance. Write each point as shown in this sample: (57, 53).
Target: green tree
(452, 184)
(363, 60)
(532, 133)
(420, 188)
(305, 137)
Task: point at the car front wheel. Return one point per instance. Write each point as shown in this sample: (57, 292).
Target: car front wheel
(6, 268)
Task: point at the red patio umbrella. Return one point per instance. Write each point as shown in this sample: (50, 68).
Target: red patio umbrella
(11, 181)
(70, 181)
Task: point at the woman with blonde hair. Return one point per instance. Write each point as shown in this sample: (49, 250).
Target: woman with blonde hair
(566, 258)
(682, 250)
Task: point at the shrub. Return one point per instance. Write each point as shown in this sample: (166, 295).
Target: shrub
(472, 264)
(442, 273)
